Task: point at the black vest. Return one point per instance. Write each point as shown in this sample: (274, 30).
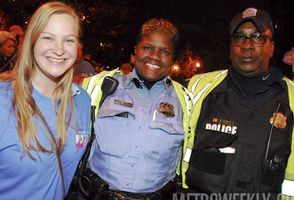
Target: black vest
(233, 151)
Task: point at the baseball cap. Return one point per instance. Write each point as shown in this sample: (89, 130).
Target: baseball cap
(261, 19)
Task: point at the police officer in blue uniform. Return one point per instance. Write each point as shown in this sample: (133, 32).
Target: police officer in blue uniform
(139, 129)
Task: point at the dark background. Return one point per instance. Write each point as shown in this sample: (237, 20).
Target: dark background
(110, 26)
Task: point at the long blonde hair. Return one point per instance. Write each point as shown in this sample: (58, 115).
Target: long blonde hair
(23, 102)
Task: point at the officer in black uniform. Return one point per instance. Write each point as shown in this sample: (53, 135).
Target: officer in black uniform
(243, 134)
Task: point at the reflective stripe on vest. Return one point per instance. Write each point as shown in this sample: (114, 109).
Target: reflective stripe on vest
(288, 188)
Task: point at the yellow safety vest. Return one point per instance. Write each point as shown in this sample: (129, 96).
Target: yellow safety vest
(200, 86)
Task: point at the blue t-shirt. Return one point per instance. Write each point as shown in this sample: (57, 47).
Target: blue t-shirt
(24, 178)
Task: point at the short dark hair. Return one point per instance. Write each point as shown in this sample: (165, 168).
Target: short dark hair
(161, 25)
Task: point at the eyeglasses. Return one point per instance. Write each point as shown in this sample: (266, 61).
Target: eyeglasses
(256, 40)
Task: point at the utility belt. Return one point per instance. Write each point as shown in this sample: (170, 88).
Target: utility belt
(164, 193)
(89, 186)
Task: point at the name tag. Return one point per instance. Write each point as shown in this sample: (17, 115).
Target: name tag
(123, 103)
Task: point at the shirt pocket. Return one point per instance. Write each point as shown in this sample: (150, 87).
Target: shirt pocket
(170, 122)
(167, 133)
(211, 161)
(113, 130)
(209, 170)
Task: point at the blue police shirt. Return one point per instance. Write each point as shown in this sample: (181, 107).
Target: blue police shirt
(139, 133)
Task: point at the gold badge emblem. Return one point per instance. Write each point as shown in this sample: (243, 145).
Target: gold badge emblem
(167, 109)
(278, 120)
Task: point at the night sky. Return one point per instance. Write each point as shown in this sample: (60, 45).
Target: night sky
(203, 25)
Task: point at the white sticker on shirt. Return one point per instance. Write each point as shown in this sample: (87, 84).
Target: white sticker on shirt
(81, 140)
(187, 155)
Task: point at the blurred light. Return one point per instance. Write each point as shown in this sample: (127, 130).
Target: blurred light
(197, 64)
(105, 44)
(175, 67)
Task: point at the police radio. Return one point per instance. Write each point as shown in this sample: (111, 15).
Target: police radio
(108, 87)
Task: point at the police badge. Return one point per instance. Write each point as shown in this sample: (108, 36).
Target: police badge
(279, 120)
(167, 109)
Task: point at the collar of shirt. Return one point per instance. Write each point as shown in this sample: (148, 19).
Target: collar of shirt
(258, 84)
(132, 80)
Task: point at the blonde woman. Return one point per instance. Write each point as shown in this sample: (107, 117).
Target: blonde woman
(43, 115)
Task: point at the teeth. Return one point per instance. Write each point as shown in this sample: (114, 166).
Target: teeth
(153, 66)
(56, 60)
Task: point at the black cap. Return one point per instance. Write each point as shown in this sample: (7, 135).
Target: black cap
(261, 19)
